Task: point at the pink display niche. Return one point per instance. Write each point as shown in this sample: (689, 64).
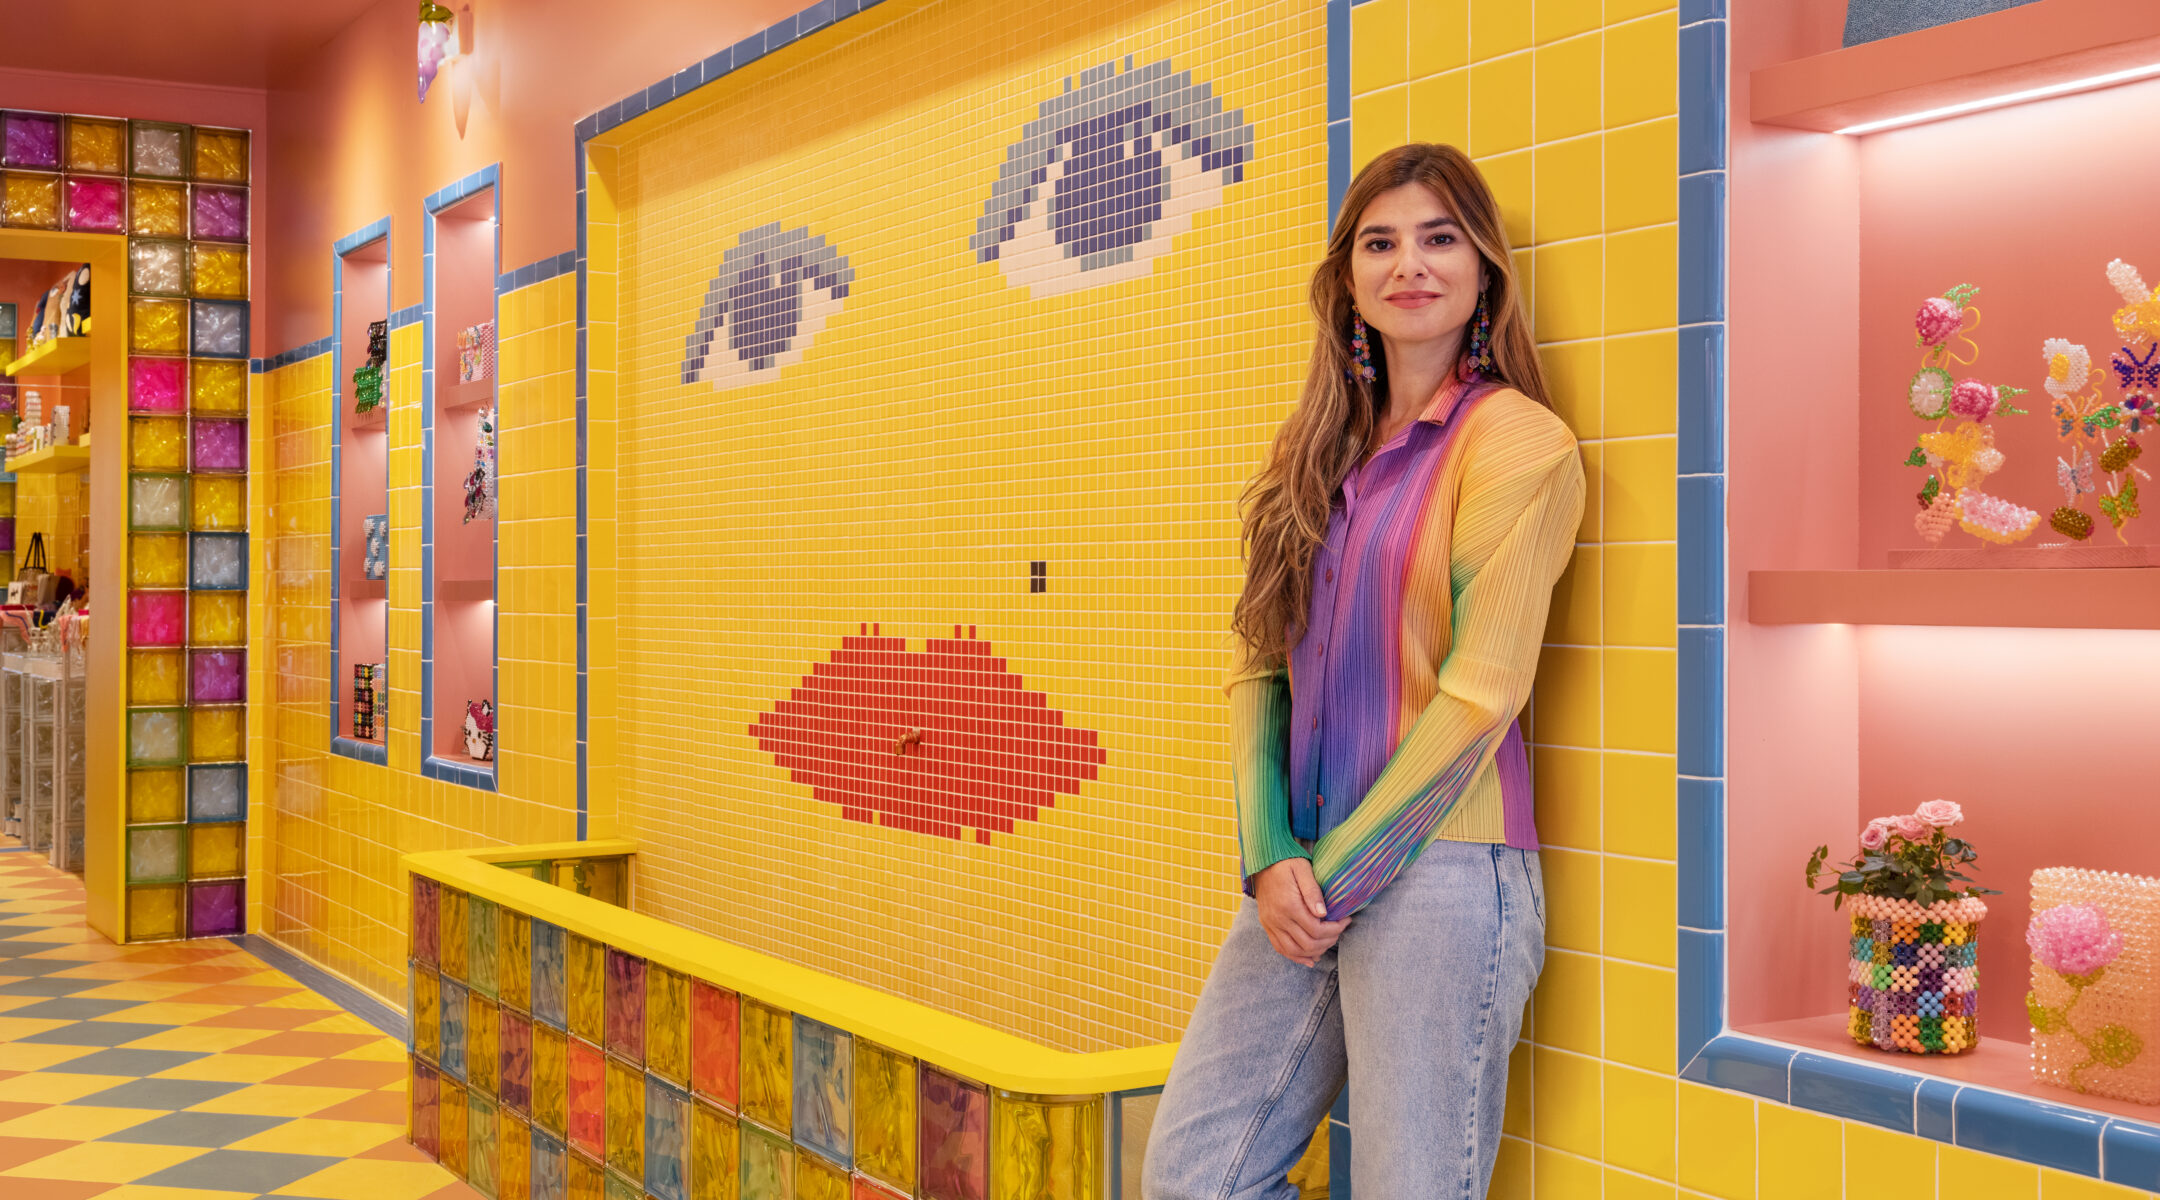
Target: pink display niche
(2042, 735)
(463, 509)
(363, 487)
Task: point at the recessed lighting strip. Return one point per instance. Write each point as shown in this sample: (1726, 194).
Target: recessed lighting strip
(2088, 83)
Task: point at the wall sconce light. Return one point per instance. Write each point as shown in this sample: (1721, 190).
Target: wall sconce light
(438, 42)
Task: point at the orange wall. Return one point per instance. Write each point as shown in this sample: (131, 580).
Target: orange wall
(355, 144)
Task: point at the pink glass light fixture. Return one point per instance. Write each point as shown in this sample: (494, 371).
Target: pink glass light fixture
(438, 42)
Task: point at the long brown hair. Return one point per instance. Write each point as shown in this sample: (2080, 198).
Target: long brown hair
(1287, 504)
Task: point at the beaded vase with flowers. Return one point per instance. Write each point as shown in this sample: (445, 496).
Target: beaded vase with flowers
(1913, 980)
(1959, 457)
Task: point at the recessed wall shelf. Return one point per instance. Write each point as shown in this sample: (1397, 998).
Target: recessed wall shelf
(52, 460)
(2047, 44)
(2110, 598)
(55, 357)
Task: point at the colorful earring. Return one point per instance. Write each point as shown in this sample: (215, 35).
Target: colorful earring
(1360, 348)
(1477, 355)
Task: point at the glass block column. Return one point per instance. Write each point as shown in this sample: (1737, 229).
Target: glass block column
(186, 218)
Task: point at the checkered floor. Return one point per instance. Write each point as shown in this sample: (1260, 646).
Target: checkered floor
(184, 1071)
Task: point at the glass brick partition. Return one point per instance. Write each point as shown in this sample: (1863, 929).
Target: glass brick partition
(565, 1049)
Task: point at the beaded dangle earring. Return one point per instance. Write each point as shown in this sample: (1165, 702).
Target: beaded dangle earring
(1360, 348)
(1477, 355)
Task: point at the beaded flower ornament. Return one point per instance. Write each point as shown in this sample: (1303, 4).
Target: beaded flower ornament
(1959, 457)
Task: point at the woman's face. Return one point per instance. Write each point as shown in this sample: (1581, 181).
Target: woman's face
(1413, 272)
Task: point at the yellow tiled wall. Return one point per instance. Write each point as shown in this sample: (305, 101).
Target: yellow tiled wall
(333, 827)
(56, 506)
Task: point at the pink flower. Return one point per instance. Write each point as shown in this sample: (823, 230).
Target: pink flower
(1941, 814)
(1912, 829)
(1876, 833)
(1937, 319)
(2073, 939)
(1973, 400)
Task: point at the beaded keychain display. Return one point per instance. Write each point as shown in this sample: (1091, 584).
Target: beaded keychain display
(2100, 435)
(1957, 459)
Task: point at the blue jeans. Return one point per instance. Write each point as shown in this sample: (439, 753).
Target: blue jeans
(1416, 1007)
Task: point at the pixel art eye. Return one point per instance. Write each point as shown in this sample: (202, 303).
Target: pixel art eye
(775, 291)
(1106, 175)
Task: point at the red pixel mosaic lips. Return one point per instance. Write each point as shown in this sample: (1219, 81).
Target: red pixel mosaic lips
(934, 741)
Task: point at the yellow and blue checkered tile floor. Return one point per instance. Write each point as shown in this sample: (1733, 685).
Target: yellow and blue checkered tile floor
(184, 1070)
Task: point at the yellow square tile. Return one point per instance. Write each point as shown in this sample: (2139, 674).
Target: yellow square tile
(50, 1087)
(1439, 37)
(1627, 10)
(1970, 1175)
(1640, 1010)
(1569, 289)
(1641, 581)
(1642, 174)
(17, 1028)
(1515, 1112)
(1439, 109)
(106, 1162)
(384, 1050)
(1563, 1176)
(1565, 705)
(339, 1139)
(1512, 1174)
(1640, 804)
(1642, 279)
(1576, 599)
(1568, 200)
(1575, 375)
(1640, 907)
(1642, 393)
(1801, 1154)
(77, 1122)
(1568, 95)
(370, 1179)
(1619, 1185)
(1500, 103)
(1640, 698)
(1567, 1001)
(1642, 70)
(1509, 177)
(1552, 20)
(138, 1191)
(1497, 29)
(1568, 1107)
(1570, 791)
(2059, 1185)
(28, 1056)
(1640, 493)
(1573, 896)
(204, 1037)
(1639, 1117)
(1378, 33)
(1717, 1142)
(1872, 1155)
(278, 1100)
(1378, 121)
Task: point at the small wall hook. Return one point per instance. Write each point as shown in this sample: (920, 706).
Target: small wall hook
(909, 737)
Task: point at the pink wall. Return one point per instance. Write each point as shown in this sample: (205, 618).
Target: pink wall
(464, 551)
(354, 143)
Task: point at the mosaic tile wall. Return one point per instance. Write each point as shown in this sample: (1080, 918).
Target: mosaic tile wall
(339, 825)
(947, 339)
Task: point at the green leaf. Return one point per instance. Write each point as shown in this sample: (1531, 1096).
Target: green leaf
(1918, 458)
(2115, 1046)
(2044, 1019)
(2086, 980)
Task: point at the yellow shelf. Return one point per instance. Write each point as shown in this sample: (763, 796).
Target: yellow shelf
(56, 357)
(52, 460)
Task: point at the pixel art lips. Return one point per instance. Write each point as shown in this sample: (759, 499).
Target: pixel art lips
(936, 741)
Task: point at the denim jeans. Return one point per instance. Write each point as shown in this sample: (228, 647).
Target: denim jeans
(1417, 1008)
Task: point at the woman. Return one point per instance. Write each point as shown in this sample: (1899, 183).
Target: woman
(1402, 543)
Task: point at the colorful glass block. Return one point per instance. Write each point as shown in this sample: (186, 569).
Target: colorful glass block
(215, 734)
(218, 793)
(715, 1164)
(483, 1043)
(157, 618)
(587, 1181)
(768, 1166)
(714, 1042)
(157, 501)
(824, 1113)
(515, 1087)
(214, 909)
(768, 1050)
(547, 974)
(218, 271)
(159, 149)
(513, 1149)
(154, 677)
(548, 1175)
(221, 214)
(513, 965)
(481, 1157)
(31, 140)
(667, 1131)
(157, 267)
(454, 905)
(156, 853)
(220, 445)
(157, 443)
(221, 155)
(157, 326)
(426, 910)
(588, 986)
(96, 147)
(451, 1126)
(885, 1114)
(456, 1010)
(550, 1079)
(955, 1162)
(619, 1188)
(1046, 1150)
(427, 1013)
(157, 210)
(157, 384)
(157, 560)
(29, 201)
(214, 851)
(625, 1118)
(426, 1095)
(218, 619)
(219, 386)
(156, 738)
(153, 912)
(220, 329)
(217, 676)
(816, 1179)
(157, 794)
(587, 1096)
(217, 561)
(667, 1024)
(866, 1190)
(483, 942)
(626, 1005)
(96, 205)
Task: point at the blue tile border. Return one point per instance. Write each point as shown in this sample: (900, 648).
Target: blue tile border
(1844, 1088)
(359, 751)
(378, 230)
(330, 987)
(537, 272)
(279, 361)
(2130, 1154)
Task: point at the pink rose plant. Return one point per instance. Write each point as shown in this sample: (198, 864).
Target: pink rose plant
(1910, 857)
(1875, 835)
(1941, 814)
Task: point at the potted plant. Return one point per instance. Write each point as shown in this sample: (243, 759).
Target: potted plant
(1914, 981)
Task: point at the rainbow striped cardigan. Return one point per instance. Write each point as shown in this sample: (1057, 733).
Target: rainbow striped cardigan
(1429, 604)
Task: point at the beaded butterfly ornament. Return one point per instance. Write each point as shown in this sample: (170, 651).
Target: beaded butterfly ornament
(1959, 457)
(2136, 367)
